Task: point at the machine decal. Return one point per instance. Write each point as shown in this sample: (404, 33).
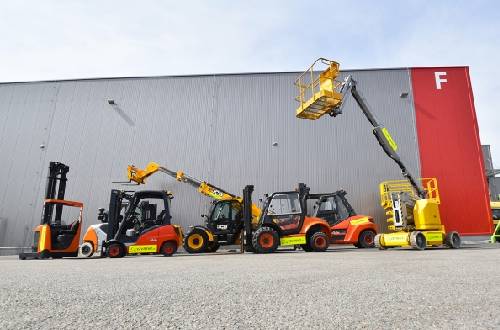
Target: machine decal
(433, 236)
(41, 243)
(142, 249)
(359, 221)
(293, 240)
(389, 139)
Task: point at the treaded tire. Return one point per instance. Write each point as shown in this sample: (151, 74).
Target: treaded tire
(418, 240)
(213, 247)
(168, 248)
(116, 250)
(306, 247)
(265, 240)
(376, 242)
(366, 239)
(204, 243)
(45, 254)
(318, 242)
(452, 240)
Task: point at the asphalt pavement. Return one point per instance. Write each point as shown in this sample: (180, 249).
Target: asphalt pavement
(340, 288)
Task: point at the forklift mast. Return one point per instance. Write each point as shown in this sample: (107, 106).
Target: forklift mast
(327, 96)
(56, 183)
(115, 202)
(247, 217)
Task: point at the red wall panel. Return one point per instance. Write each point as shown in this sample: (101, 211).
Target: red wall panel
(449, 146)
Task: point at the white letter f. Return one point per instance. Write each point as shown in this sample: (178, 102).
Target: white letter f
(440, 80)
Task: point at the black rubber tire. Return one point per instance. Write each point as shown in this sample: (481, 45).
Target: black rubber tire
(418, 240)
(453, 240)
(258, 240)
(366, 239)
(45, 254)
(22, 256)
(120, 248)
(306, 248)
(168, 248)
(213, 247)
(318, 242)
(249, 248)
(87, 249)
(203, 246)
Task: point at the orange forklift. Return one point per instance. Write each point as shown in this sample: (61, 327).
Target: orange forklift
(284, 222)
(55, 238)
(346, 226)
(145, 226)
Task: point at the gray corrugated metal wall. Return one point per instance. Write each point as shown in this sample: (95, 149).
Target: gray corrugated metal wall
(219, 128)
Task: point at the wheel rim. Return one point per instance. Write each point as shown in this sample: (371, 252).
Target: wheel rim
(168, 249)
(266, 240)
(320, 242)
(369, 238)
(114, 251)
(195, 241)
(85, 249)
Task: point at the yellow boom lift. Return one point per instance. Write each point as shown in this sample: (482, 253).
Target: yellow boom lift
(413, 211)
(223, 224)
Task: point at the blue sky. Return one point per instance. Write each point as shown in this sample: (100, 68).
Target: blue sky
(89, 38)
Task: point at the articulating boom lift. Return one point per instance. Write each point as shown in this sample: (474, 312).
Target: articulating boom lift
(223, 225)
(413, 212)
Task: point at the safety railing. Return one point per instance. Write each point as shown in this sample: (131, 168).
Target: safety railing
(313, 86)
(403, 186)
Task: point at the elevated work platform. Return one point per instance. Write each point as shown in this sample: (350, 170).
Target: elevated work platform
(318, 92)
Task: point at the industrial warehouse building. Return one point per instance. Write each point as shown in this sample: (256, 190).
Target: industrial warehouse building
(237, 129)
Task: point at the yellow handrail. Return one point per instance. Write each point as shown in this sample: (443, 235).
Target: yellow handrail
(318, 91)
(403, 186)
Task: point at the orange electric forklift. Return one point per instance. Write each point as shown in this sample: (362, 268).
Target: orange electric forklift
(58, 234)
(143, 228)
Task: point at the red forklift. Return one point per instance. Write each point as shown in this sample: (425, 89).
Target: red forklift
(55, 237)
(145, 226)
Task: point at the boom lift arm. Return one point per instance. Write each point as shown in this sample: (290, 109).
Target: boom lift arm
(330, 99)
(381, 133)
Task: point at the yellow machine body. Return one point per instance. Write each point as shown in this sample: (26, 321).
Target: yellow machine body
(402, 238)
(426, 215)
(418, 216)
